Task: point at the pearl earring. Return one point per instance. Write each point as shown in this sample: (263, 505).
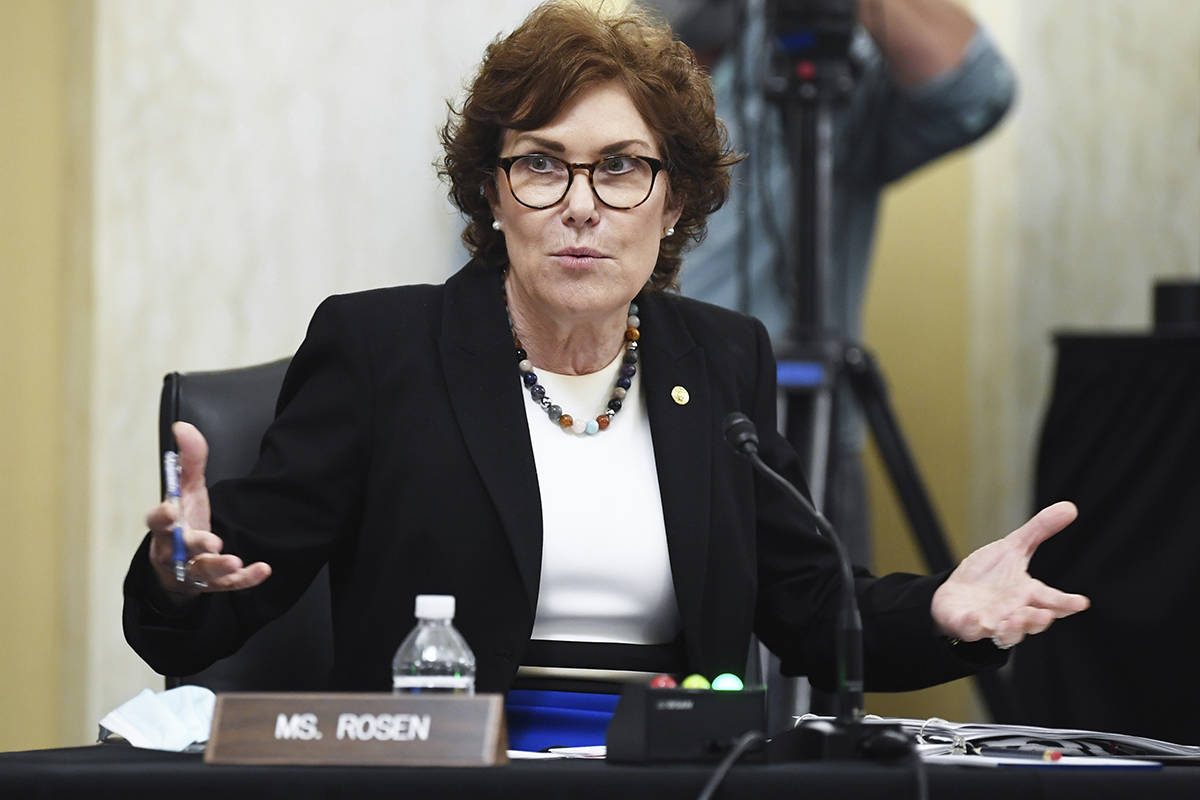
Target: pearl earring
(495, 224)
(669, 232)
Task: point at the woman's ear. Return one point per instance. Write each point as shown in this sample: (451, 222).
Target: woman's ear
(487, 190)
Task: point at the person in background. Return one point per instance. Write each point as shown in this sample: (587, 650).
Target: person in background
(541, 435)
(929, 80)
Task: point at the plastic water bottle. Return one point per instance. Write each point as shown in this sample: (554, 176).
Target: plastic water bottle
(434, 657)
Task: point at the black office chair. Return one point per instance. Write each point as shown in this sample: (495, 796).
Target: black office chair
(232, 408)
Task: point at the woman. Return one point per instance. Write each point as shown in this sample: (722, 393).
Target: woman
(541, 435)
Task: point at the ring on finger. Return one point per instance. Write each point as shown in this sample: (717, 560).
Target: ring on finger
(197, 583)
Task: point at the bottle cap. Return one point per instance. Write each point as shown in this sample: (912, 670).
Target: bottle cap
(435, 606)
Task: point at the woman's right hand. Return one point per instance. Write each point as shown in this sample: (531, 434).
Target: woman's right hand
(209, 570)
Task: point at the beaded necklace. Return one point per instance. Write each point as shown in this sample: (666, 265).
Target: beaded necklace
(624, 378)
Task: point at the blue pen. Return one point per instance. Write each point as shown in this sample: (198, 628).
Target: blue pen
(171, 476)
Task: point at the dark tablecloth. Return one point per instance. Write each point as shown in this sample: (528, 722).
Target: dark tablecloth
(1121, 438)
(118, 771)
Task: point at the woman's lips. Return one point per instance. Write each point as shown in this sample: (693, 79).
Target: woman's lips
(578, 256)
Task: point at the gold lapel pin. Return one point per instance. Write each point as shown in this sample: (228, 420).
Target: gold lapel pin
(680, 395)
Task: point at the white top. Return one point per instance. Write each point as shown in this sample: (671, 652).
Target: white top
(434, 606)
(606, 575)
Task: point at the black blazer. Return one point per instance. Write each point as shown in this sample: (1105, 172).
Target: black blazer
(400, 454)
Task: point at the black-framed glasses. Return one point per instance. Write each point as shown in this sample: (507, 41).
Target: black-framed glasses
(619, 181)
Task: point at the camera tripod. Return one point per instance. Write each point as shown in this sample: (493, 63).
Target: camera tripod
(811, 75)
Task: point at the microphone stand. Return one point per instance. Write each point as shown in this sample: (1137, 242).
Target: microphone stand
(849, 631)
(847, 736)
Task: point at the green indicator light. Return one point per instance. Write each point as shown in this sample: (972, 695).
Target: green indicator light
(695, 682)
(727, 682)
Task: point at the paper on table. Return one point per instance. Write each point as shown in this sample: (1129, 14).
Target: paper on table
(935, 736)
(584, 751)
(591, 751)
(531, 755)
(171, 720)
(1066, 762)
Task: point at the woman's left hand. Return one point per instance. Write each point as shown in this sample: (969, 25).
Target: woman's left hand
(991, 593)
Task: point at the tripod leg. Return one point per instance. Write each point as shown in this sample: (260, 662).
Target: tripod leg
(808, 426)
(806, 421)
(871, 393)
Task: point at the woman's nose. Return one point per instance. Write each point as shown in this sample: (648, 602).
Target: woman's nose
(581, 202)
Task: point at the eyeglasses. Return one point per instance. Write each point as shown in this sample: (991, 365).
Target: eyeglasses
(619, 181)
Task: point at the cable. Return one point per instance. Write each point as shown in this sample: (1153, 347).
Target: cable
(743, 135)
(740, 746)
(762, 169)
(922, 777)
(880, 15)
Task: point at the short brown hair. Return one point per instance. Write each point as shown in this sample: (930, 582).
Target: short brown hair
(560, 49)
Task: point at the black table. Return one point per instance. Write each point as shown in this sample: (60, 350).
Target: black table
(120, 771)
(1121, 438)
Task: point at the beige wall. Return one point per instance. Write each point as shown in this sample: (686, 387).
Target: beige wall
(32, 253)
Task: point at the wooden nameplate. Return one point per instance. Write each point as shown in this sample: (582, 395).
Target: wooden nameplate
(358, 729)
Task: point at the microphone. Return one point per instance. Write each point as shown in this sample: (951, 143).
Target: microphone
(742, 436)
